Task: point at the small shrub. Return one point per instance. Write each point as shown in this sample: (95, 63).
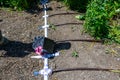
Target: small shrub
(99, 19)
(79, 5)
(114, 34)
(18, 4)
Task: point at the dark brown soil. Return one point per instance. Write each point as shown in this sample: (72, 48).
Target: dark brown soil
(21, 28)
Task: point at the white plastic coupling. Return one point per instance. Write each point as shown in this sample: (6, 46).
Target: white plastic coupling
(45, 16)
(42, 27)
(46, 26)
(46, 72)
(57, 54)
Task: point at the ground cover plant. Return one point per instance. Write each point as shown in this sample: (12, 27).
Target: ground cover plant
(102, 19)
(79, 5)
(18, 4)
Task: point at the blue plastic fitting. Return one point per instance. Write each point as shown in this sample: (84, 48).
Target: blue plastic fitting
(49, 55)
(35, 73)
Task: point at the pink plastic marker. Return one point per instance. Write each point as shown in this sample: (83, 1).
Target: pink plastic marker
(39, 50)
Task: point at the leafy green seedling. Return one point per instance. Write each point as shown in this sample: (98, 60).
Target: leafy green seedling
(107, 51)
(111, 51)
(115, 71)
(117, 11)
(75, 54)
(52, 26)
(73, 28)
(80, 17)
(62, 52)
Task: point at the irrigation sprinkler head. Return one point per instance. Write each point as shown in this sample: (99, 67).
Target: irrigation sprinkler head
(43, 45)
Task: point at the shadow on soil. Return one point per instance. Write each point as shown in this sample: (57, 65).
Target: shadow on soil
(19, 49)
(16, 49)
(37, 10)
(62, 46)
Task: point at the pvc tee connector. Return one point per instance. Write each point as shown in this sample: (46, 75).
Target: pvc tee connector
(44, 72)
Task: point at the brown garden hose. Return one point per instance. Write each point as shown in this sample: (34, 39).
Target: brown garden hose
(84, 40)
(87, 69)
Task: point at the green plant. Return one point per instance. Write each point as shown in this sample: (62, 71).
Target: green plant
(73, 28)
(75, 54)
(111, 51)
(114, 34)
(17, 4)
(52, 26)
(79, 5)
(80, 17)
(99, 16)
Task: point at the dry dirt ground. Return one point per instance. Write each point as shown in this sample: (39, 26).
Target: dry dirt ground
(21, 28)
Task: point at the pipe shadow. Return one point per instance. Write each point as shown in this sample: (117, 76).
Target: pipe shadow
(16, 49)
(65, 44)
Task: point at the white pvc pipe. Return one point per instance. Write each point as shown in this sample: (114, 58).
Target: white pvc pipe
(45, 77)
(37, 57)
(45, 63)
(45, 67)
(46, 35)
(45, 24)
(45, 32)
(45, 71)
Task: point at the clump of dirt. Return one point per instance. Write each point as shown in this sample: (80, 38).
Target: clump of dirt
(21, 28)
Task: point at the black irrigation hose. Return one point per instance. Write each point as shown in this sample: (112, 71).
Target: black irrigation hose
(87, 69)
(66, 13)
(84, 40)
